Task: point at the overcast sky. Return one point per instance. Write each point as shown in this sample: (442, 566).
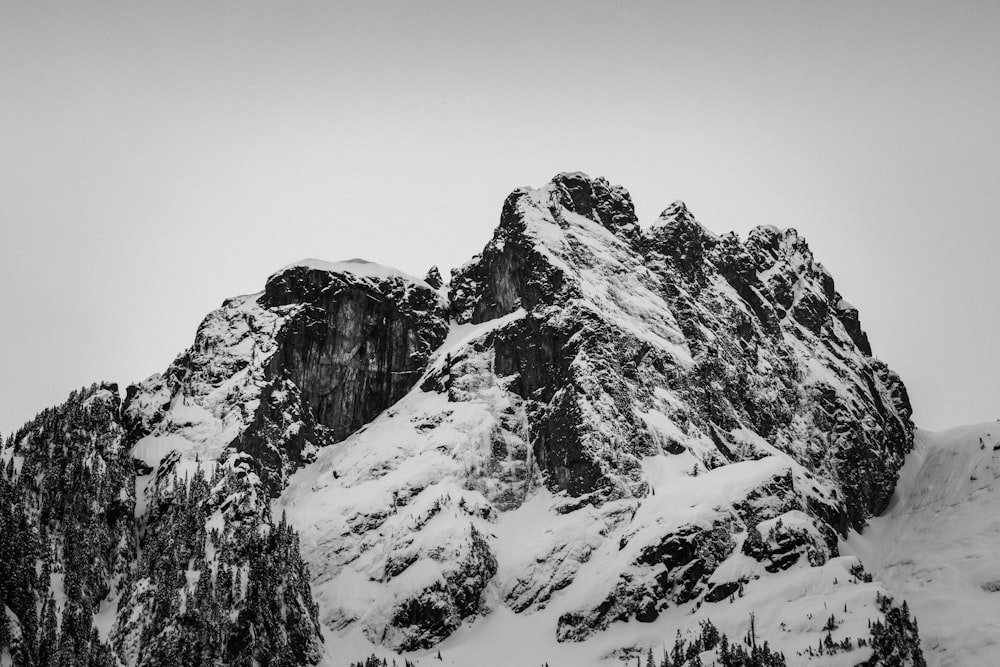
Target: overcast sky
(156, 158)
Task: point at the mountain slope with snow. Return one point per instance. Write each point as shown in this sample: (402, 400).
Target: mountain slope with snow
(597, 437)
(938, 544)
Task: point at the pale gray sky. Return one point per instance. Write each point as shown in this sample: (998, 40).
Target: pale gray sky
(157, 158)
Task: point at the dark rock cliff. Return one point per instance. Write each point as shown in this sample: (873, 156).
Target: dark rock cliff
(354, 347)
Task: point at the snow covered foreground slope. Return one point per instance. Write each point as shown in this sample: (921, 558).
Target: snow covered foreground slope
(938, 544)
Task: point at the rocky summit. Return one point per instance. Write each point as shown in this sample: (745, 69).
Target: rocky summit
(598, 441)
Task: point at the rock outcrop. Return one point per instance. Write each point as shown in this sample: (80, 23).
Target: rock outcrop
(355, 345)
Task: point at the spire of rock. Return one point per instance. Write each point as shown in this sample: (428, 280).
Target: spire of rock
(678, 211)
(433, 278)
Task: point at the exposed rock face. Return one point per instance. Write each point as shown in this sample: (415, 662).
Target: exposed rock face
(282, 434)
(512, 271)
(611, 205)
(788, 355)
(422, 621)
(353, 347)
(433, 278)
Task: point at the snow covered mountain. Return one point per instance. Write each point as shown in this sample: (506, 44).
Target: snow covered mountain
(598, 439)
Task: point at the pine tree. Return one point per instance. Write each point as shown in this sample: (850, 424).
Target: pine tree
(48, 640)
(677, 656)
(724, 655)
(709, 635)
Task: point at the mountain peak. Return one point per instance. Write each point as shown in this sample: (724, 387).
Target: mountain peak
(676, 211)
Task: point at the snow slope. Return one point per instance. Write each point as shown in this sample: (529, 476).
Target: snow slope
(938, 544)
(400, 490)
(791, 609)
